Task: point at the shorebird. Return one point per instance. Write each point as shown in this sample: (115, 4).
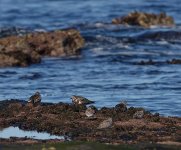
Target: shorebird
(80, 100)
(90, 111)
(35, 99)
(138, 114)
(105, 124)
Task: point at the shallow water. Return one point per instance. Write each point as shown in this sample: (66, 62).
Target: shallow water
(16, 132)
(106, 71)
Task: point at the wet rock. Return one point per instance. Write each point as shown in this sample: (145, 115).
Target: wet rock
(138, 114)
(18, 58)
(144, 19)
(149, 62)
(121, 107)
(174, 61)
(68, 119)
(105, 124)
(27, 49)
(170, 35)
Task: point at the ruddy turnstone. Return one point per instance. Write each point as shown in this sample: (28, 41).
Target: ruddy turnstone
(105, 124)
(90, 111)
(35, 99)
(138, 114)
(80, 100)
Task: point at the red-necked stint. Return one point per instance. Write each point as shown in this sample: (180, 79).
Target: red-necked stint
(90, 111)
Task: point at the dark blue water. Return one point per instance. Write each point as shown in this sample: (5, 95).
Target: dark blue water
(107, 69)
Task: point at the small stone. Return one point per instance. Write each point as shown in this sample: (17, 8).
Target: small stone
(105, 124)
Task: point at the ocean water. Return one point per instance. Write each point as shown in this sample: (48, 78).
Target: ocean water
(106, 70)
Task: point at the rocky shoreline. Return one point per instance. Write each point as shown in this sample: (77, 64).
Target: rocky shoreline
(71, 121)
(117, 125)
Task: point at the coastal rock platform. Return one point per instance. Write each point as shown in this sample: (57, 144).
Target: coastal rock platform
(70, 121)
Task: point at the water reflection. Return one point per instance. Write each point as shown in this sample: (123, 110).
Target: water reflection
(16, 132)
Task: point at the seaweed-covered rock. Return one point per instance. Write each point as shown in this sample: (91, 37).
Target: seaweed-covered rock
(110, 125)
(144, 19)
(174, 61)
(27, 49)
(151, 62)
(18, 58)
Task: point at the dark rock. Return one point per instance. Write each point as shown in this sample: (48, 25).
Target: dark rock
(120, 107)
(149, 62)
(18, 58)
(28, 49)
(174, 61)
(69, 120)
(144, 19)
(158, 35)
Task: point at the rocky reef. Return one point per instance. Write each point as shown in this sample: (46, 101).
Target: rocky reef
(152, 62)
(128, 124)
(27, 49)
(144, 19)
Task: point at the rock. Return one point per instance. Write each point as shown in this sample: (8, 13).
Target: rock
(158, 36)
(64, 119)
(144, 19)
(18, 58)
(121, 107)
(174, 61)
(35, 45)
(149, 62)
(105, 124)
(138, 114)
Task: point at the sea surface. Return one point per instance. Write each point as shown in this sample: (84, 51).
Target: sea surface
(107, 70)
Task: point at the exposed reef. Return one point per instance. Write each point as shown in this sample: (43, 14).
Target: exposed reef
(144, 19)
(152, 62)
(27, 49)
(71, 121)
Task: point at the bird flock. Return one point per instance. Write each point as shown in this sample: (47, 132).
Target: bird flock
(91, 110)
